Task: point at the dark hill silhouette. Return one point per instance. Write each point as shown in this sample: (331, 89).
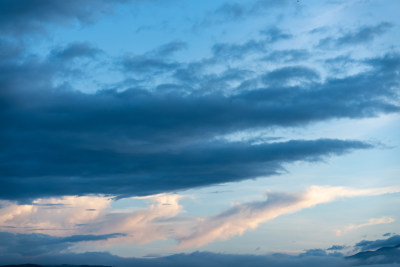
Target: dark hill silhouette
(383, 255)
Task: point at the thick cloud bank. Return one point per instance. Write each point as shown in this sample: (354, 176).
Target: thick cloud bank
(164, 126)
(57, 141)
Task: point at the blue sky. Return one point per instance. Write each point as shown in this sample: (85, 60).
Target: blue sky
(182, 132)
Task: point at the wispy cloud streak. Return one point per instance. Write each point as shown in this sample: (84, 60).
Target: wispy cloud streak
(247, 216)
(371, 222)
(162, 219)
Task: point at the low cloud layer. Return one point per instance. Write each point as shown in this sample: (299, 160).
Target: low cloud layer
(209, 259)
(163, 219)
(89, 216)
(374, 244)
(50, 250)
(37, 244)
(371, 222)
(247, 216)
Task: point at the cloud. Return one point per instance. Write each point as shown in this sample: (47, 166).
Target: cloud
(128, 173)
(274, 34)
(33, 16)
(336, 247)
(361, 36)
(318, 253)
(10, 50)
(224, 51)
(373, 221)
(75, 50)
(153, 137)
(386, 252)
(36, 244)
(288, 55)
(283, 76)
(87, 215)
(247, 216)
(385, 257)
(39, 216)
(146, 64)
(196, 259)
(368, 245)
(155, 61)
(236, 51)
(169, 49)
(388, 234)
(138, 142)
(161, 220)
(236, 11)
(158, 222)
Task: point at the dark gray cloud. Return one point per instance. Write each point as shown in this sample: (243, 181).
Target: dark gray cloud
(155, 61)
(388, 234)
(318, 30)
(290, 55)
(195, 76)
(169, 49)
(235, 11)
(75, 50)
(36, 244)
(137, 141)
(314, 252)
(31, 16)
(237, 51)
(336, 247)
(369, 245)
(10, 50)
(274, 34)
(231, 11)
(364, 34)
(209, 83)
(144, 64)
(360, 36)
(64, 168)
(283, 76)
(224, 51)
(57, 141)
(341, 64)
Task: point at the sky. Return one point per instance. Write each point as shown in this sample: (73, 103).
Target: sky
(201, 133)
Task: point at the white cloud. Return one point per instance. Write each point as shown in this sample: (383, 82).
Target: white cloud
(143, 226)
(373, 221)
(71, 215)
(247, 216)
(55, 216)
(92, 215)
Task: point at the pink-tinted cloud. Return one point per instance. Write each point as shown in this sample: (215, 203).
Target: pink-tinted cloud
(371, 222)
(247, 216)
(161, 220)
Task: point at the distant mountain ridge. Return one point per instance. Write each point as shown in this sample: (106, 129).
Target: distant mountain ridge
(383, 255)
